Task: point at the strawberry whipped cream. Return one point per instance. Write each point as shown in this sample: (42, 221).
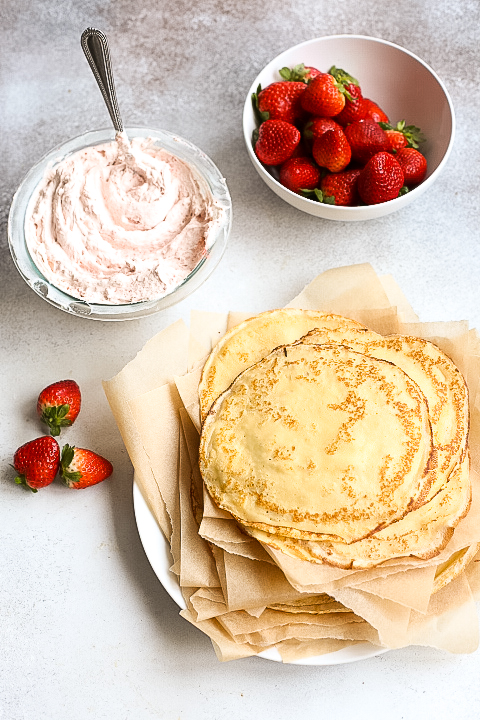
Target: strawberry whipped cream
(120, 222)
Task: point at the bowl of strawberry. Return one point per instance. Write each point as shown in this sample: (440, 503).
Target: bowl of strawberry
(348, 127)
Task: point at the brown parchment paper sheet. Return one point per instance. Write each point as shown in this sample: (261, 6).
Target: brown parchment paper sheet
(247, 597)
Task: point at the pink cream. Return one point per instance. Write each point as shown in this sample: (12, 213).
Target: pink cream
(120, 223)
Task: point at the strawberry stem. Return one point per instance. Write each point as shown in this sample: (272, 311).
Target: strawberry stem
(260, 115)
(69, 476)
(21, 480)
(54, 417)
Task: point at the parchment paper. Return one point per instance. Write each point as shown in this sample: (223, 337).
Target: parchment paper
(228, 579)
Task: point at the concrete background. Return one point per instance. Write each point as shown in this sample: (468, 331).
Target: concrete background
(86, 628)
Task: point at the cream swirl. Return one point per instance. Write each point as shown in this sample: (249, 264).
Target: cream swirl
(120, 222)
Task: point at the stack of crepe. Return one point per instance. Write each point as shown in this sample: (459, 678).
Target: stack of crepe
(344, 447)
(337, 501)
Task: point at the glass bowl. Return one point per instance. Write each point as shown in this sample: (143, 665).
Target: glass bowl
(402, 84)
(178, 146)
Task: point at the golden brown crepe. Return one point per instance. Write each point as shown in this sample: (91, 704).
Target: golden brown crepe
(253, 339)
(421, 533)
(436, 375)
(338, 445)
(290, 444)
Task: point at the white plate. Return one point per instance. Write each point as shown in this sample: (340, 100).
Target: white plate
(158, 553)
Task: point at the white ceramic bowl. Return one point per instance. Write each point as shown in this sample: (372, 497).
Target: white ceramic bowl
(404, 86)
(34, 278)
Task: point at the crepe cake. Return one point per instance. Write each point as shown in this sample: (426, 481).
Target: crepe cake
(289, 445)
(425, 532)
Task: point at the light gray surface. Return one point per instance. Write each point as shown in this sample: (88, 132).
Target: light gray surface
(86, 629)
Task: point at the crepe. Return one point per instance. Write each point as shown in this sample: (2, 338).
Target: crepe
(305, 455)
(438, 378)
(289, 444)
(449, 570)
(250, 341)
(421, 533)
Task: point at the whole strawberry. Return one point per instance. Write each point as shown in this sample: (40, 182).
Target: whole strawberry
(396, 139)
(413, 164)
(341, 186)
(381, 179)
(332, 151)
(323, 96)
(37, 462)
(311, 73)
(354, 108)
(373, 111)
(81, 468)
(275, 141)
(59, 404)
(280, 101)
(299, 174)
(316, 127)
(366, 138)
(402, 135)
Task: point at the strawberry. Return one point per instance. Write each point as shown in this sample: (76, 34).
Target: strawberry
(279, 101)
(59, 404)
(332, 151)
(323, 96)
(81, 468)
(366, 138)
(317, 126)
(413, 164)
(275, 141)
(311, 72)
(381, 179)
(396, 139)
(373, 111)
(354, 108)
(341, 186)
(37, 462)
(402, 135)
(299, 73)
(301, 151)
(299, 174)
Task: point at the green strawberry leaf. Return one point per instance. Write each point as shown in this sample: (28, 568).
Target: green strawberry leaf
(342, 76)
(71, 477)
(412, 133)
(22, 480)
(343, 79)
(403, 191)
(259, 115)
(54, 417)
(295, 74)
(328, 199)
(68, 476)
(317, 194)
(68, 453)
